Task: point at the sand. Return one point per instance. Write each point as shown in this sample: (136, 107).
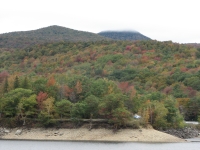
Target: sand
(83, 134)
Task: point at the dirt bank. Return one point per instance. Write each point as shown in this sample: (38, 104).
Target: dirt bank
(83, 134)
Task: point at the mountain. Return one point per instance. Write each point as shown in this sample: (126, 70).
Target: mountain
(49, 34)
(131, 75)
(124, 35)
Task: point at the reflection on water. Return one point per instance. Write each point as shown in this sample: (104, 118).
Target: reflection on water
(61, 145)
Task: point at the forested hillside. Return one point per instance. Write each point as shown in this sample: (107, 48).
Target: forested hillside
(107, 79)
(124, 35)
(45, 35)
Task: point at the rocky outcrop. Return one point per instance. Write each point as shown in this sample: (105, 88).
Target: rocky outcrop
(184, 133)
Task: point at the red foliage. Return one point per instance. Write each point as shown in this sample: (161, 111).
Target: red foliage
(190, 92)
(123, 86)
(184, 69)
(128, 47)
(40, 98)
(157, 58)
(167, 90)
(171, 73)
(3, 75)
(67, 90)
(78, 59)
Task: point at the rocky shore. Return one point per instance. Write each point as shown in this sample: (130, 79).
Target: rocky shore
(83, 134)
(184, 133)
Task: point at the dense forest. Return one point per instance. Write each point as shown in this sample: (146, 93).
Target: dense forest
(124, 35)
(102, 80)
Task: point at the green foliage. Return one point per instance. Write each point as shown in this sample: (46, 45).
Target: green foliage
(46, 119)
(16, 82)
(112, 107)
(63, 108)
(12, 99)
(92, 103)
(5, 88)
(39, 85)
(27, 106)
(120, 117)
(123, 75)
(78, 110)
(173, 117)
(25, 83)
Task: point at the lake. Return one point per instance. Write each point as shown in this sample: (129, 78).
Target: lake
(63, 145)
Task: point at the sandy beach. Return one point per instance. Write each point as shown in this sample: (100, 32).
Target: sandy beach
(83, 134)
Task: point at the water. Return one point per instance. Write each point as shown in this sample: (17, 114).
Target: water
(62, 145)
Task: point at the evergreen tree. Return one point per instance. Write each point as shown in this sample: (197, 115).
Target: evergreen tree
(25, 83)
(5, 90)
(16, 82)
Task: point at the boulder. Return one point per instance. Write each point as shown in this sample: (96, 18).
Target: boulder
(18, 132)
(6, 131)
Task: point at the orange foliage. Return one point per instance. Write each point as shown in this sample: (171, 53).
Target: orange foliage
(78, 87)
(40, 98)
(67, 90)
(51, 81)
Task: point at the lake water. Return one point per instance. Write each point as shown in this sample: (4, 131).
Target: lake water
(62, 145)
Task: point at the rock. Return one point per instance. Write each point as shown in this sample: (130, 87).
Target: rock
(6, 131)
(18, 132)
(61, 134)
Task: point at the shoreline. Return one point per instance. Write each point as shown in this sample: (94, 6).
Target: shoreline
(94, 135)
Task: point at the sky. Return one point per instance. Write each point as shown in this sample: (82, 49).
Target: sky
(162, 20)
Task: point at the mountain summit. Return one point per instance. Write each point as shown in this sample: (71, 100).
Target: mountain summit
(54, 33)
(124, 35)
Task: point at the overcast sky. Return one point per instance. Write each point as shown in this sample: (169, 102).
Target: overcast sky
(176, 20)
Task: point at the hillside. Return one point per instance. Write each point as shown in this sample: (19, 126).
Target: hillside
(104, 79)
(124, 35)
(45, 35)
(197, 45)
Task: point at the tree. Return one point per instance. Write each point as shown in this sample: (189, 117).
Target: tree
(46, 115)
(92, 103)
(174, 118)
(40, 85)
(40, 98)
(16, 82)
(27, 107)
(120, 117)
(155, 113)
(63, 108)
(12, 99)
(111, 106)
(25, 83)
(5, 89)
(3, 76)
(79, 110)
(51, 81)
(49, 105)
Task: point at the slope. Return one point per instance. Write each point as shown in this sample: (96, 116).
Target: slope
(49, 34)
(124, 35)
